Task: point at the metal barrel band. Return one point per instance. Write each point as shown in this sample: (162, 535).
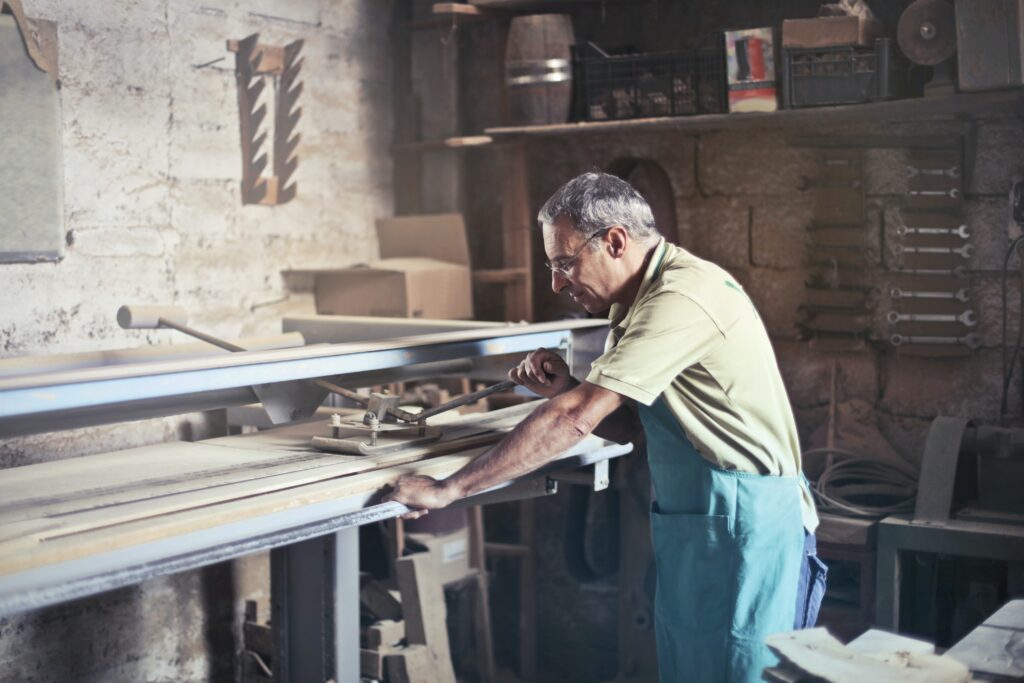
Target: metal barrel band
(535, 71)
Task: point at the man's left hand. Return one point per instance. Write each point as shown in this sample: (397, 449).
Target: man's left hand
(421, 494)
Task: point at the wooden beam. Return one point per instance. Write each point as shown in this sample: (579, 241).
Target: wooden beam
(516, 225)
(424, 611)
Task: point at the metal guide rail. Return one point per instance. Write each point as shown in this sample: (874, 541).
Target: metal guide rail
(50, 401)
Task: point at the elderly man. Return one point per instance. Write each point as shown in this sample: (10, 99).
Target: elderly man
(689, 360)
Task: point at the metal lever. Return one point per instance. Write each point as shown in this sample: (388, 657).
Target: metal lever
(174, 317)
(466, 399)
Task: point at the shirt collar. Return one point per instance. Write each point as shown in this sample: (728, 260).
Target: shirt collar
(620, 314)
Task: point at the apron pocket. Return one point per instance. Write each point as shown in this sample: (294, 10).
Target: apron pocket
(694, 602)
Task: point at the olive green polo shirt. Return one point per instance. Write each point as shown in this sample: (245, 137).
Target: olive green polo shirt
(693, 337)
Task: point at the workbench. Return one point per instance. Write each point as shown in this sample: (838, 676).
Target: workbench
(82, 526)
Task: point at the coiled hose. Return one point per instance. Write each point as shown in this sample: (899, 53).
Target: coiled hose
(856, 486)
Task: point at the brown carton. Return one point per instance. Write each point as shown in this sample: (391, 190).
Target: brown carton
(830, 32)
(423, 272)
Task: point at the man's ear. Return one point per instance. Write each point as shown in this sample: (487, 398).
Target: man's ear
(617, 240)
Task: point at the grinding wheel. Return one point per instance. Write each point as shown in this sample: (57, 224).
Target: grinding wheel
(927, 31)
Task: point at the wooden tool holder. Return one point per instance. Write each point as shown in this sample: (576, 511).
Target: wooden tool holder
(835, 315)
(254, 64)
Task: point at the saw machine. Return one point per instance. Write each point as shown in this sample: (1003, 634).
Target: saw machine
(384, 428)
(300, 487)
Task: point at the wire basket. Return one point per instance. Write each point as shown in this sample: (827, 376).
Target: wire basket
(639, 85)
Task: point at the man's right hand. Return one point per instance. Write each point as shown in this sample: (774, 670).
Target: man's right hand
(543, 372)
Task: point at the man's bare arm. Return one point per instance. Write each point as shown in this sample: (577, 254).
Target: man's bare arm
(622, 426)
(549, 430)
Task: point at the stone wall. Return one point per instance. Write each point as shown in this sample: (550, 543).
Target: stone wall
(153, 214)
(739, 203)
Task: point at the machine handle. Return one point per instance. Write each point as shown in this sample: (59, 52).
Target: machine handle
(149, 317)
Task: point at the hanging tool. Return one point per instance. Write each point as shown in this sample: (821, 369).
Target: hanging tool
(959, 295)
(961, 231)
(959, 272)
(966, 318)
(971, 341)
(952, 193)
(951, 172)
(965, 251)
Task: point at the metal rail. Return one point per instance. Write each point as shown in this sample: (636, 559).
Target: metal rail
(63, 400)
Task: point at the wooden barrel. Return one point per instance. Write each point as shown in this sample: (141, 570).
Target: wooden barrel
(538, 69)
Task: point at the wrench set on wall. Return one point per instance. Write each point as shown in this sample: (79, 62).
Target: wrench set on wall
(930, 311)
(907, 285)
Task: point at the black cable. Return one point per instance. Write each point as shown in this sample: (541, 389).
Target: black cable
(1008, 370)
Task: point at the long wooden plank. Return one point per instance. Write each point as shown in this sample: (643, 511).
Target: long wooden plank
(144, 503)
(164, 469)
(14, 558)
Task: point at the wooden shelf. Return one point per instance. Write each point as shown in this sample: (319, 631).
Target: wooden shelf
(1005, 102)
(500, 275)
(449, 13)
(464, 142)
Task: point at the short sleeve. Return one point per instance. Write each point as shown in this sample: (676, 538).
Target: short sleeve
(666, 334)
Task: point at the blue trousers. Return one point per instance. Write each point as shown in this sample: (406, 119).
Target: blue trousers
(811, 587)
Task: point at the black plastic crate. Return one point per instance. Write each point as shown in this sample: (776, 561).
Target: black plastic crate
(817, 77)
(640, 85)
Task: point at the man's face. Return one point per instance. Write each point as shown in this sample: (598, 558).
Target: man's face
(586, 275)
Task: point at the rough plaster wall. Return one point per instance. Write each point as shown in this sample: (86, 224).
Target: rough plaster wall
(153, 215)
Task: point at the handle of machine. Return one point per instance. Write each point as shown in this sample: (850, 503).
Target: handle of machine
(466, 399)
(174, 317)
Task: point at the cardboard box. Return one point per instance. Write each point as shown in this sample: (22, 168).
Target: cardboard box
(423, 272)
(750, 61)
(830, 32)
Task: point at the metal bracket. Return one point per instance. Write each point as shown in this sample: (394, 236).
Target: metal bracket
(537, 487)
(592, 476)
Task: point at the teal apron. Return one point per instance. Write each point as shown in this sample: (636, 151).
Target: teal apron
(728, 547)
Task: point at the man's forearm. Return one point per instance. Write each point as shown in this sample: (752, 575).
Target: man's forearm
(622, 426)
(547, 432)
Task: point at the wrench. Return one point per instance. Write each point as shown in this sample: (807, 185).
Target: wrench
(959, 272)
(952, 193)
(959, 295)
(964, 251)
(962, 231)
(952, 171)
(966, 318)
(971, 341)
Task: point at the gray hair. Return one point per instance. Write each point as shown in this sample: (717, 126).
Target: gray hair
(594, 201)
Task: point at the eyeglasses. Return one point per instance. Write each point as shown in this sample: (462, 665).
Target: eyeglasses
(562, 266)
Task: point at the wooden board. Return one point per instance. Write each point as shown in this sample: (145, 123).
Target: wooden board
(424, 613)
(56, 504)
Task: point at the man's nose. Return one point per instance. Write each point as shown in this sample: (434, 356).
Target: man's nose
(558, 281)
